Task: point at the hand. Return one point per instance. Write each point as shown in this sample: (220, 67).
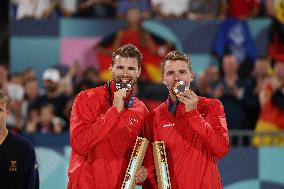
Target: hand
(141, 175)
(238, 92)
(218, 91)
(190, 100)
(118, 100)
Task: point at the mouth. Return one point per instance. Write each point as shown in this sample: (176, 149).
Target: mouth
(125, 80)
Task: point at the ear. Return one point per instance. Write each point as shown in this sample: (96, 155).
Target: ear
(139, 72)
(7, 112)
(192, 76)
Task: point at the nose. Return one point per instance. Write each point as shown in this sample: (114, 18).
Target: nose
(125, 73)
(176, 77)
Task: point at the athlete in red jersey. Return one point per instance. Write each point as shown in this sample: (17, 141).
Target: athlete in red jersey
(193, 128)
(105, 122)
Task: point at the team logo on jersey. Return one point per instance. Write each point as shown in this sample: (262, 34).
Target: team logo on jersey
(132, 121)
(169, 125)
(13, 166)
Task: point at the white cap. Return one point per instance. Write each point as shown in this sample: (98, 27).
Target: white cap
(51, 74)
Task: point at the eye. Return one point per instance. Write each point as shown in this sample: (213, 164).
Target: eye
(119, 67)
(131, 68)
(182, 71)
(170, 73)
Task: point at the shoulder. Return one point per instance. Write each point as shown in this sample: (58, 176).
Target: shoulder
(158, 110)
(205, 100)
(91, 93)
(21, 142)
(140, 104)
(212, 104)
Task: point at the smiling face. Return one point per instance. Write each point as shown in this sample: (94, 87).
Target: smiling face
(126, 64)
(125, 70)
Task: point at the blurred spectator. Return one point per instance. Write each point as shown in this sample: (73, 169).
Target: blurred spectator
(233, 36)
(31, 93)
(46, 122)
(170, 9)
(206, 80)
(15, 119)
(53, 94)
(260, 76)
(276, 33)
(66, 82)
(97, 8)
(261, 73)
(271, 97)
(242, 9)
(275, 8)
(125, 5)
(67, 8)
(206, 9)
(134, 33)
(235, 94)
(93, 75)
(28, 74)
(34, 9)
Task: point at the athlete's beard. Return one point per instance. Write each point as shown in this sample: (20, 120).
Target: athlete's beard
(130, 80)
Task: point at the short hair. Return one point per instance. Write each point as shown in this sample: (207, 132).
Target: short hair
(128, 51)
(4, 98)
(174, 56)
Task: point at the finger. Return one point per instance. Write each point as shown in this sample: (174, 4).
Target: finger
(183, 99)
(122, 91)
(192, 94)
(183, 95)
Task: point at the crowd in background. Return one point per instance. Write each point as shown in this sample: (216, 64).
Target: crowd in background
(250, 87)
(160, 9)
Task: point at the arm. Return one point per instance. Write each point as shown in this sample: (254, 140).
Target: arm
(213, 133)
(87, 126)
(31, 169)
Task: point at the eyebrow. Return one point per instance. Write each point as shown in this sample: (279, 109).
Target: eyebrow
(176, 70)
(128, 67)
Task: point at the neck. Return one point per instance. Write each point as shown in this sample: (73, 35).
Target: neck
(134, 26)
(51, 94)
(3, 129)
(3, 134)
(173, 97)
(231, 75)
